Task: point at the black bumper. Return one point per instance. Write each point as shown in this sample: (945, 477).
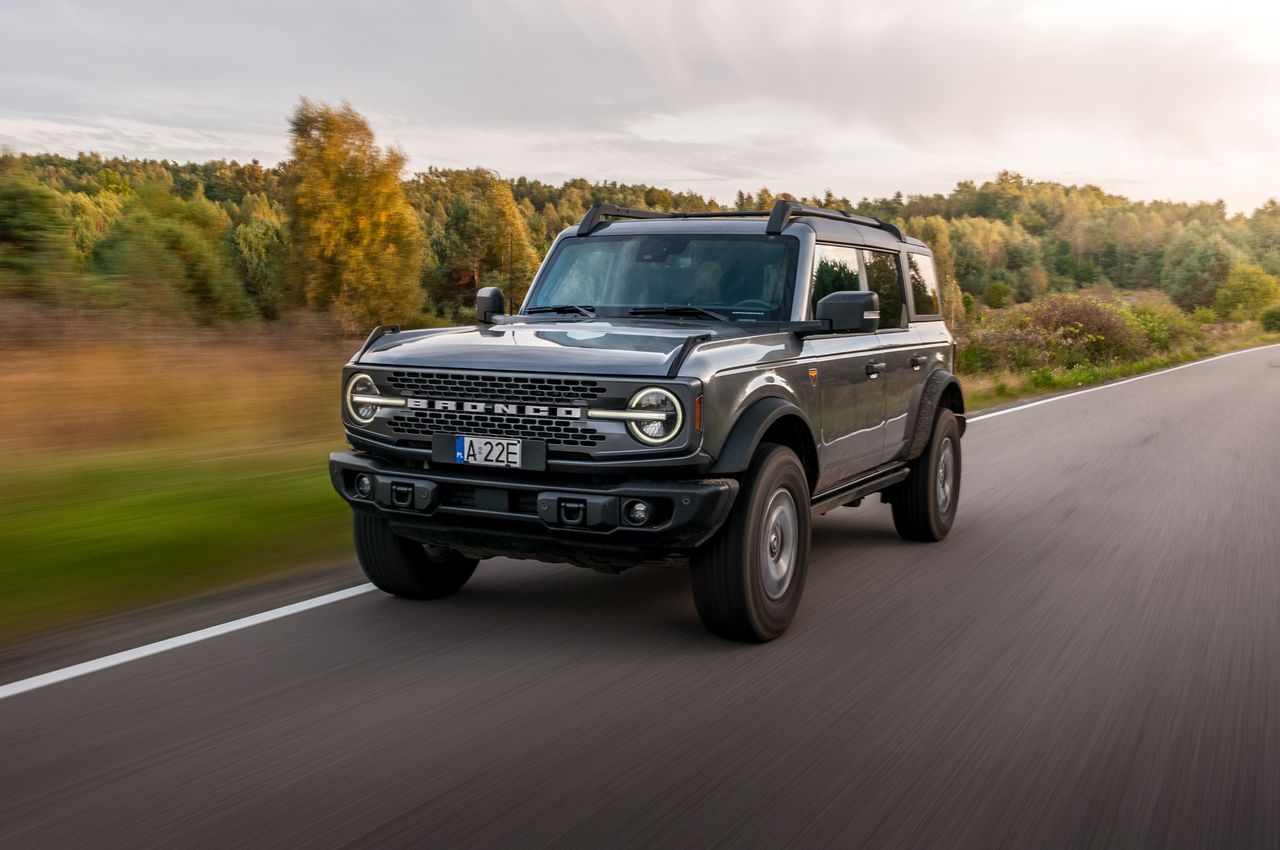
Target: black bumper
(487, 515)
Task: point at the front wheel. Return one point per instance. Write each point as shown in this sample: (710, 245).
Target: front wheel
(403, 567)
(924, 506)
(747, 580)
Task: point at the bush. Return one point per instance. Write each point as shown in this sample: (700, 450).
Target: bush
(1059, 331)
(1204, 316)
(996, 294)
(1164, 324)
(1271, 319)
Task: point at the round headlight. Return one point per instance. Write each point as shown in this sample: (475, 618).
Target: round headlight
(663, 416)
(361, 385)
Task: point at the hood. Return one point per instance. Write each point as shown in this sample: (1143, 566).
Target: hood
(580, 347)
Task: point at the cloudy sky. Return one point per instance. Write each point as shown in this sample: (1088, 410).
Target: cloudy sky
(1154, 100)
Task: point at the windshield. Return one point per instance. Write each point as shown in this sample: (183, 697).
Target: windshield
(742, 278)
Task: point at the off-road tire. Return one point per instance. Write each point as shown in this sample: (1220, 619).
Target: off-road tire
(729, 582)
(918, 511)
(403, 567)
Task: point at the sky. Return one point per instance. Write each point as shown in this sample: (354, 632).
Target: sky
(1170, 100)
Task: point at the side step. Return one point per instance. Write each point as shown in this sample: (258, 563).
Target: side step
(858, 489)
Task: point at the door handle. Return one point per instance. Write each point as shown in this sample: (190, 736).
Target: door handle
(918, 360)
(874, 369)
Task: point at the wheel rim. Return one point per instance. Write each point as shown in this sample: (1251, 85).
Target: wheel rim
(946, 482)
(779, 543)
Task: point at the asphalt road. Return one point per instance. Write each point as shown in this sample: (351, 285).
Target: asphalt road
(1091, 659)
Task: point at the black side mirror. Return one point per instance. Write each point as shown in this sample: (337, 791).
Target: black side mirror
(489, 303)
(850, 312)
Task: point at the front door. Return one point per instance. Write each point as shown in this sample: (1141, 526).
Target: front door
(845, 369)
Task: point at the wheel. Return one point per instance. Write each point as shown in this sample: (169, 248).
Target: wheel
(747, 580)
(924, 505)
(405, 568)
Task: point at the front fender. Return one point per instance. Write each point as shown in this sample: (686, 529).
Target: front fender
(740, 446)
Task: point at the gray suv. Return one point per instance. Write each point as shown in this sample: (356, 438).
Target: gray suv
(677, 388)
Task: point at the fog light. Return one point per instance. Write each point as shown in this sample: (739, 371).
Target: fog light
(364, 485)
(638, 512)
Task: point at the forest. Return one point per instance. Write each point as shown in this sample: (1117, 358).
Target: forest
(340, 228)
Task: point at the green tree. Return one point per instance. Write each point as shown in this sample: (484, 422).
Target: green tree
(36, 254)
(171, 255)
(1195, 265)
(259, 247)
(1246, 292)
(357, 246)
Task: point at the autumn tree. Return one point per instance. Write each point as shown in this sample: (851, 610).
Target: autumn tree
(357, 247)
(1247, 291)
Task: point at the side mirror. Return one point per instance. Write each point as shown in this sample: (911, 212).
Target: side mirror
(489, 303)
(850, 312)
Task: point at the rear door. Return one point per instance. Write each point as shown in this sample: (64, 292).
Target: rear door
(899, 379)
(851, 393)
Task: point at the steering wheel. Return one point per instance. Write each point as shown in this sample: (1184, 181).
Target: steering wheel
(754, 304)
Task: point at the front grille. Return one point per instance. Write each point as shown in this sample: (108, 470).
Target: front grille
(511, 389)
(565, 392)
(561, 432)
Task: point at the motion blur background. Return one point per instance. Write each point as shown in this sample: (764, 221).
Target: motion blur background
(190, 247)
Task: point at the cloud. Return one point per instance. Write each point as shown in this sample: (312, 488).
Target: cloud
(860, 97)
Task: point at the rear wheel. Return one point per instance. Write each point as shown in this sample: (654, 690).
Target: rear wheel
(403, 567)
(924, 506)
(747, 580)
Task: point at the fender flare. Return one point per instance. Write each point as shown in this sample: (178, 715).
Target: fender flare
(740, 446)
(927, 408)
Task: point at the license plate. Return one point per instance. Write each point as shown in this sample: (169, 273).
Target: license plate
(486, 451)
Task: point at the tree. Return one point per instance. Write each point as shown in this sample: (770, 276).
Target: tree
(171, 256)
(1195, 265)
(357, 246)
(36, 255)
(259, 246)
(1247, 291)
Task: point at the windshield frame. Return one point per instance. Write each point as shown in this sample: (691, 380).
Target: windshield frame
(795, 261)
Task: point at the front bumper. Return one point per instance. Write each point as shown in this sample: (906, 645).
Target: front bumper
(486, 514)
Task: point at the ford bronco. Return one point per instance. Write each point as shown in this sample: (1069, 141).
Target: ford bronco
(676, 388)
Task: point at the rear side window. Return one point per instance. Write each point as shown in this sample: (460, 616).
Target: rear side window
(884, 280)
(835, 269)
(924, 285)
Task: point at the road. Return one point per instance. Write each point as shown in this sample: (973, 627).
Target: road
(1091, 659)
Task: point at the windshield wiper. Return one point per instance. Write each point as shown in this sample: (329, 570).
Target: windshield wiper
(679, 310)
(581, 309)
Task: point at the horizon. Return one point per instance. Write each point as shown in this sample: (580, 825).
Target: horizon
(1153, 102)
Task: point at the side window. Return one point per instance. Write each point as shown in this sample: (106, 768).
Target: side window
(924, 285)
(835, 269)
(884, 280)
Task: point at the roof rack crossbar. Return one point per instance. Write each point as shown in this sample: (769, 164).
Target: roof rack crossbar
(600, 211)
(781, 213)
(783, 210)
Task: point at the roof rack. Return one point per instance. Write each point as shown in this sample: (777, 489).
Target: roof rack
(781, 213)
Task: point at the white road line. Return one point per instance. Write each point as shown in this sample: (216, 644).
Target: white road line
(1143, 377)
(24, 685)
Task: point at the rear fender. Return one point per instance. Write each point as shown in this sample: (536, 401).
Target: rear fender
(939, 384)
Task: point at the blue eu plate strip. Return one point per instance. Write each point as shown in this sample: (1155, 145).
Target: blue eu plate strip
(459, 450)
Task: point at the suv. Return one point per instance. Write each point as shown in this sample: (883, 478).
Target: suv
(679, 388)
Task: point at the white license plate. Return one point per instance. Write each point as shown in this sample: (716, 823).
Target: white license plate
(486, 451)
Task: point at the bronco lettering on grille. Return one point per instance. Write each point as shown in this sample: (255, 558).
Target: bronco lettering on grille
(495, 408)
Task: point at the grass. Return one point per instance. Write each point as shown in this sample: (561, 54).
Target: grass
(91, 535)
(991, 389)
